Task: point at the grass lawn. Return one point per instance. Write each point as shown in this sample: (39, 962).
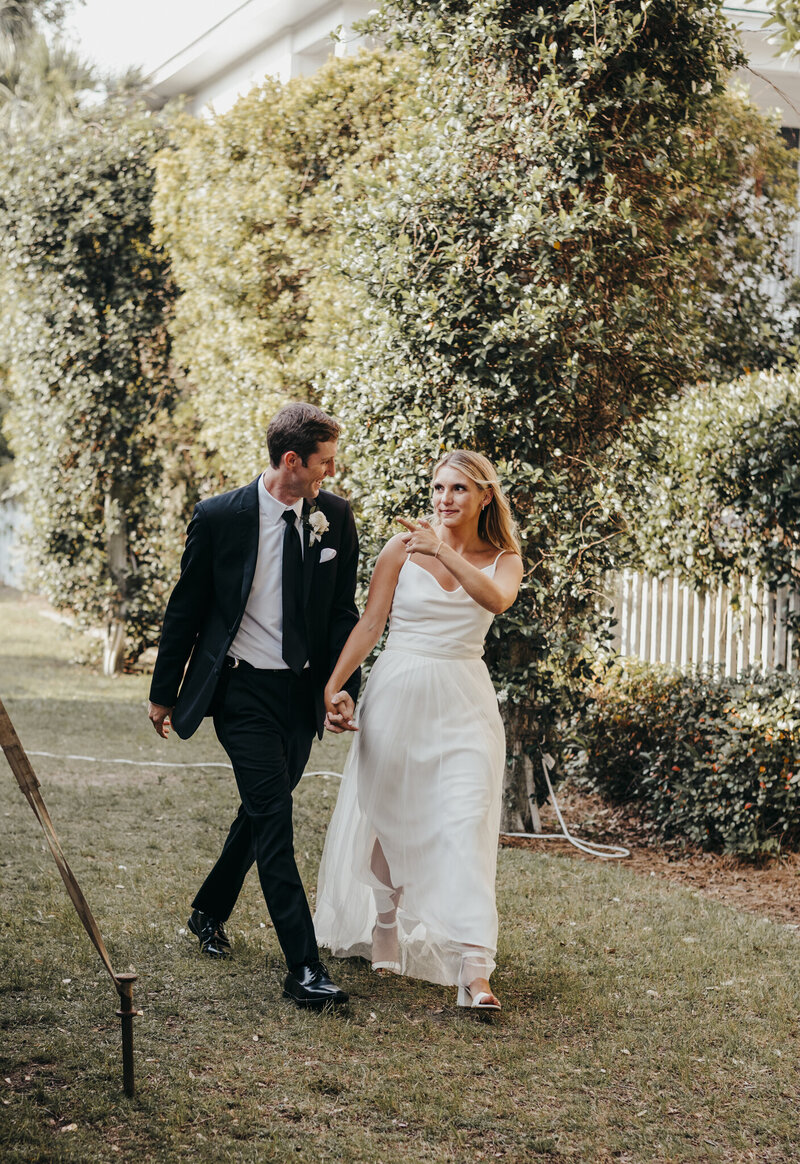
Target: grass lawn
(642, 1022)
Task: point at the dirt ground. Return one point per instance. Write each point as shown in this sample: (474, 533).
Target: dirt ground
(770, 888)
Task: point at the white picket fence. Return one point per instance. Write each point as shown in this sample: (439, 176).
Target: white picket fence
(659, 620)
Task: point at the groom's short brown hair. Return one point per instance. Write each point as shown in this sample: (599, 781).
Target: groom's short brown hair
(299, 428)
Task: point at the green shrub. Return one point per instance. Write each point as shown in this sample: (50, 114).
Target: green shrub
(575, 219)
(91, 378)
(713, 760)
(711, 483)
(248, 206)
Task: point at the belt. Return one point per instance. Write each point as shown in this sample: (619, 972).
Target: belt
(231, 664)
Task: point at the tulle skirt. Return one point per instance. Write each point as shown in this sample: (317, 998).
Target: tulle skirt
(423, 779)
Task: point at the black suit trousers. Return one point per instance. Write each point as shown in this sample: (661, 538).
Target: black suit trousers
(265, 722)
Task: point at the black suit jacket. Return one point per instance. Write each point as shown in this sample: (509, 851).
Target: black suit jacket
(207, 604)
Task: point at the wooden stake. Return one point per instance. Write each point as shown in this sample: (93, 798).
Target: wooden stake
(28, 782)
(126, 1015)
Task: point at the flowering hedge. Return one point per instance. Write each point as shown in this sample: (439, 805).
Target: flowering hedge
(716, 761)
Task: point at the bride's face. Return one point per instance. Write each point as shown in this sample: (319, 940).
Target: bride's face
(457, 500)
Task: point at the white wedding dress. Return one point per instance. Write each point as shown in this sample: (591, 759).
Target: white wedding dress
(424, 777)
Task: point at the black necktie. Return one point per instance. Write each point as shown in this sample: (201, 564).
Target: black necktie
(295, 650)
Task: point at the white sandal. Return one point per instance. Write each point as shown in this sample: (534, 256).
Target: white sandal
(387, 963)
(483, 1001)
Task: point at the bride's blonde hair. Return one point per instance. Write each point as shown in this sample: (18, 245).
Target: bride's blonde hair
(495, 523)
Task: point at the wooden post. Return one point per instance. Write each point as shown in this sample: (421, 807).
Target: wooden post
(791, 637)
(709, 629)
(701, 633)
(674, 656)
(730, 636)
(655, 614)
(689, 608)
(29, 785)
(768, 630)
(720, 627)
(743, 643)
(781, 614)
(624, 619)
(634, 632)
(126, 1016)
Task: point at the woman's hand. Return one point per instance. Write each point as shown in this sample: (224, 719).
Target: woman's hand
(340, 711)
(422, 538)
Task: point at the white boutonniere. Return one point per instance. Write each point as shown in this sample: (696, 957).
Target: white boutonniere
(317, 524)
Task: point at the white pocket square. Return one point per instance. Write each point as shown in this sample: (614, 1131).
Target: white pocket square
(327, 554)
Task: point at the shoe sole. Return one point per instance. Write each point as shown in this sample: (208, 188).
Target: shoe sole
(481, 1014)
(314, 1003)
(225, 951)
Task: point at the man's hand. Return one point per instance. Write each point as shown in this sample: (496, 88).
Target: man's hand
(340, 713)
(160, 718)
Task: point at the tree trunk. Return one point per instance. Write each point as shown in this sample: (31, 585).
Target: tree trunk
(117, 550)
(520, 813)
(113, 648)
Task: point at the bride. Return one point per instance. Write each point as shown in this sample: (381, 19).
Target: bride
(408, 870)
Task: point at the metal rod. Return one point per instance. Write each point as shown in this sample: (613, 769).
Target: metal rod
(126, 1015)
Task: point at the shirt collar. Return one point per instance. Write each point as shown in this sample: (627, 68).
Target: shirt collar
(271, 507)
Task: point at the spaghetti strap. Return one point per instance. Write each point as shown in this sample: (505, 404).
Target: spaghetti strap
(499, 556)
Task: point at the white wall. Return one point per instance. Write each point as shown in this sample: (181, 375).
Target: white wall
(773, 81)
(287, 38)
(278, 38)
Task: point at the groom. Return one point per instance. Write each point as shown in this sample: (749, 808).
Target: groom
(262, 608)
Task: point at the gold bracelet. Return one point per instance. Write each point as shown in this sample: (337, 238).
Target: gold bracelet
(436, 555)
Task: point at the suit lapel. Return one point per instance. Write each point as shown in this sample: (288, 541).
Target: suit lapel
(310, 555)
(248, 532)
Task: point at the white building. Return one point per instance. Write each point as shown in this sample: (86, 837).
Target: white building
(259, 38)
(290, 38)
(774, 82)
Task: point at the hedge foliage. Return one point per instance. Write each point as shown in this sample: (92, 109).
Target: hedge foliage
(785, 16)
(517, 227)
(247, 205)
(710, 488)
(575, 219)
(90, 372)
(710, 759)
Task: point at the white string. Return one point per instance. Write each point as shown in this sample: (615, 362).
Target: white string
(135, 763)
(604, 852)
(157, 763)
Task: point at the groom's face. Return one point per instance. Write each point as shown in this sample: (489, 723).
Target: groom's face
(307, 479)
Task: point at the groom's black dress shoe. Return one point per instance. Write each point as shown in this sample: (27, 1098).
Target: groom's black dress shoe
(310, 985)
(213, 939)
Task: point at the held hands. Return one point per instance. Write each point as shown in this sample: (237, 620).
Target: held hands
(422, 539)
(340, 710)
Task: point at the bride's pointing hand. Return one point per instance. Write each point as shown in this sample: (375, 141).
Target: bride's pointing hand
(422, 538)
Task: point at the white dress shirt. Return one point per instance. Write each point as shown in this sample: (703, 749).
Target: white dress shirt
(259, 639)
